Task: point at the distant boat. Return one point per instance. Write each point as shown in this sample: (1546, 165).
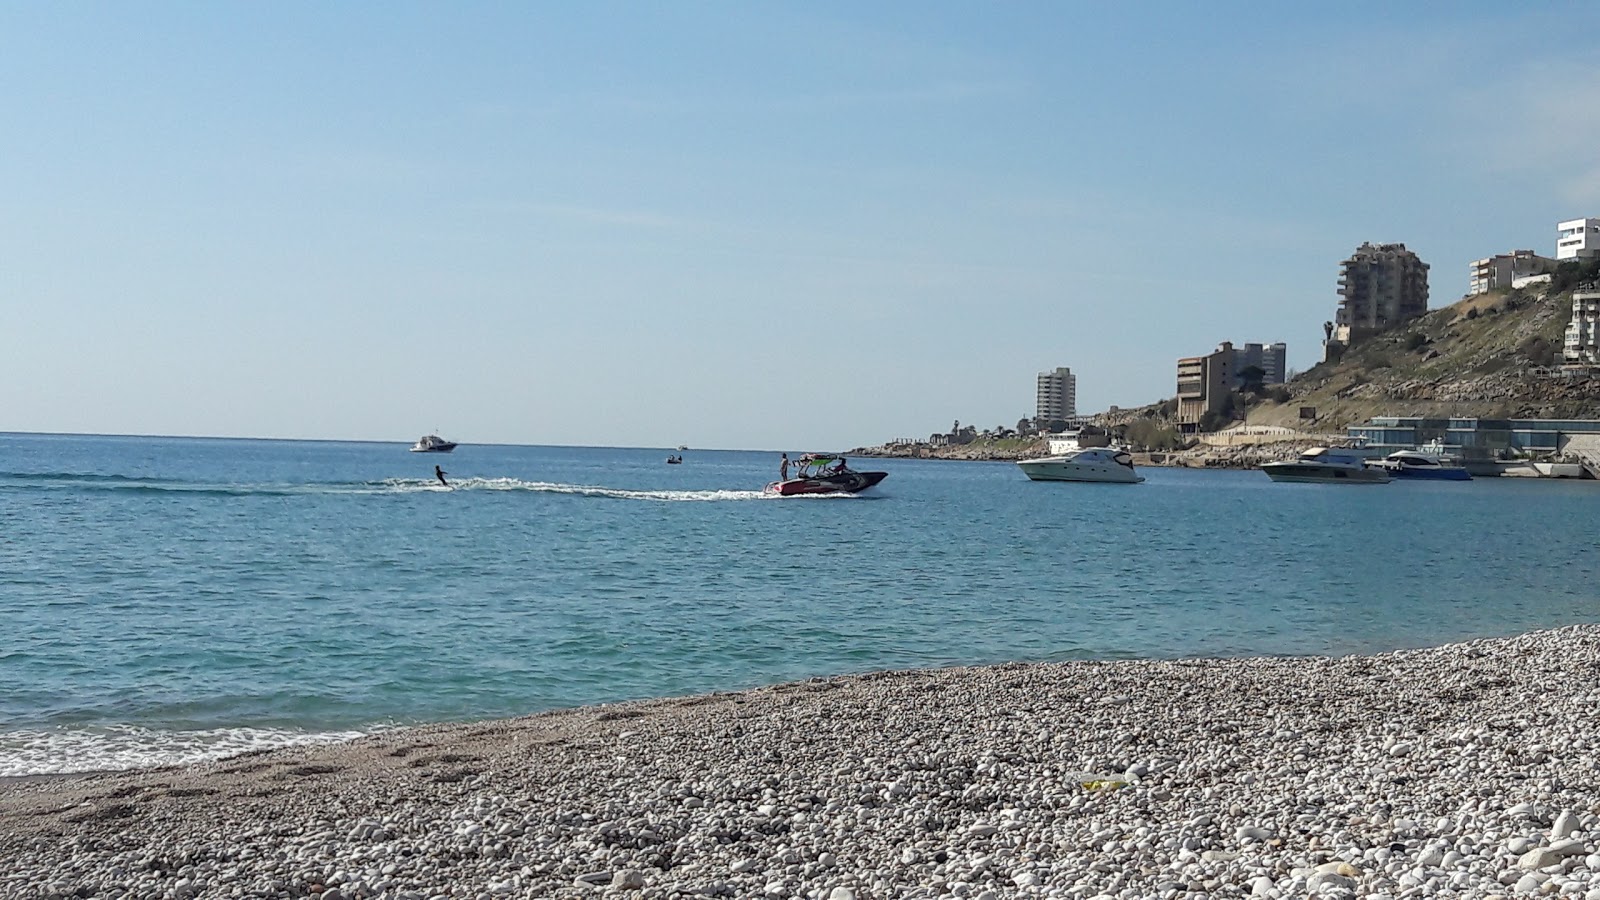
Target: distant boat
(683, 447)
(432, 443)
(1406, 464)
(1327, 465)
(674, 460)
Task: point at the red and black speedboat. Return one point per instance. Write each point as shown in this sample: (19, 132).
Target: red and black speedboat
(819, 474)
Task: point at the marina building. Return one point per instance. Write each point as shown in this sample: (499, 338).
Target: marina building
(1582, 345)
(1502, 271)
(1578, 239)
(1271, 359)
(1472, 439)
(1056, 399)
(1205, 385)
(1381, 286)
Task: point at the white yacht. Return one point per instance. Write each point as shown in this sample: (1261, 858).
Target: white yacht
(1102, 464)
(432, 443)
(1327, 465)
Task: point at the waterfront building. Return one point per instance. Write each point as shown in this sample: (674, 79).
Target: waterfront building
(1056, 399)
(1480, 439)
(1504, 270)
(1578, 239)
(1205, 385)
(1582, 346)
(1380, 286)
(1271, 359)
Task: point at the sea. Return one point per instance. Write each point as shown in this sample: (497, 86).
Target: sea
(172, 600)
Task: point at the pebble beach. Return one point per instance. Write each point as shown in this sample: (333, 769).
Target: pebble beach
(1468, 770)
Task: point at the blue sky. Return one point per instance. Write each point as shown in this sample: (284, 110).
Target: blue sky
(742, 224)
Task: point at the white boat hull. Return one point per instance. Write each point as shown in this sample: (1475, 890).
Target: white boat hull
(1059, 470)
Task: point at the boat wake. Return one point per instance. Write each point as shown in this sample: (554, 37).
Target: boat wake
(405, 485)
(145, 485)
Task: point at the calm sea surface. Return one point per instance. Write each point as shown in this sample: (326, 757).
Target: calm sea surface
(168, 599)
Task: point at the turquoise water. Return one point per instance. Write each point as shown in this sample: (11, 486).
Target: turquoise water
(167, 599)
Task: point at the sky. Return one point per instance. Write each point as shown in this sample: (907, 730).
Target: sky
(802, 226)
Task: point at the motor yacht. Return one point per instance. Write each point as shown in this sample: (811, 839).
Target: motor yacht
(1099, 464)
(432, 443)
(1327, 465)
(1408, 464)
(822, 474)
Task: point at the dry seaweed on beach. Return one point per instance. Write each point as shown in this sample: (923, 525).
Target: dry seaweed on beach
(1464, 770)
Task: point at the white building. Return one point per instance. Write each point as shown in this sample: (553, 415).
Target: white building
(1506, 270)
(1583, 332)
(1578, 239)
(1057, 397)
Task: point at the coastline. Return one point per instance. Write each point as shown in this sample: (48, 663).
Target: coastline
(1465, 768)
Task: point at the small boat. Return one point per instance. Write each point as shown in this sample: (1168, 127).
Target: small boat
(1408, 464)
(675, 460)
(823, 474)
(432, 443)
(1327, 465)
(1106, 465)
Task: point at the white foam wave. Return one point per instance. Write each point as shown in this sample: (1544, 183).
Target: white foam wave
(584, 490)
(119, 747)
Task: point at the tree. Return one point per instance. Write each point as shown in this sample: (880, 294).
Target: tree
(1251, 379)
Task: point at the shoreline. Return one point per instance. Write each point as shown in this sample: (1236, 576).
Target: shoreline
(1467, 767)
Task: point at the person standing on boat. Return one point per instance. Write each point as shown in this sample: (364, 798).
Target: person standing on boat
(439, 474)
(783, 468)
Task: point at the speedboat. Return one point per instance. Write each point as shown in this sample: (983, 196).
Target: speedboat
(820, 474)
(1102, 464)
(432, 443)
(1414, 464)
(674, 460)
(1327, 465)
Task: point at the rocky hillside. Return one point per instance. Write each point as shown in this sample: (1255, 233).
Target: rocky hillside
(1495, 355)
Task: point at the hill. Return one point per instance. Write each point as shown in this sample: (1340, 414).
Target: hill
(1494, 355)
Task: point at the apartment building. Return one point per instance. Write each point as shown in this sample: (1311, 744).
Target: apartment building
(1381, 286)
(1271, 359)
(1056, 398)
(1205, 384)
(1578, 239)
(1582, 345)
(1502, 271)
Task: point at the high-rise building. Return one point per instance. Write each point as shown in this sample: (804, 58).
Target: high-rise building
(1382, 286)
(1578, 239)
(1057, 397)
(1271, 359)
(1204, 385)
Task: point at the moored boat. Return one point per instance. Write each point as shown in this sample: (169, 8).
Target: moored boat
(432, 443)
(1409, 464)
(824, 474)
(1327, 465)
(1105, 465)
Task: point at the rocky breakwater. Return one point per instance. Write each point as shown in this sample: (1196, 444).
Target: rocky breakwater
(982, 451)
(1471, 770)
(1252, 456)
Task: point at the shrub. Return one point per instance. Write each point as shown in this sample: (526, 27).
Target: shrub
(1416, 340)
